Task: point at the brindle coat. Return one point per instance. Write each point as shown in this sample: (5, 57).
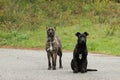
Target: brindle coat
(53, 48)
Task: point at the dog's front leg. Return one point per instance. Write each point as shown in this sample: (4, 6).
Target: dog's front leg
(49, 63)
(54, 57)
(75, 57)
(84, 66)
(75, 66)
(84, 63)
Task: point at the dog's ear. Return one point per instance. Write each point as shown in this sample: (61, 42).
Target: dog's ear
(47, 27)
(77, 34)
(86, 33)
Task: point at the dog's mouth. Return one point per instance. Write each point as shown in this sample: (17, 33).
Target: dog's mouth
(50, 35)
(82, 43)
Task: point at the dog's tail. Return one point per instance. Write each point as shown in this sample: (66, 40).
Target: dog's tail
(92, 70)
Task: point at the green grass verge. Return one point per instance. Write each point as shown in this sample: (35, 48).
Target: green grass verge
(98, 40)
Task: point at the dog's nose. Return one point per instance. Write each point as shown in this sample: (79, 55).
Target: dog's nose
(50, 33)
(82, 39)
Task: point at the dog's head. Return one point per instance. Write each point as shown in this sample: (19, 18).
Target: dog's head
(50, 32)
(82, 37)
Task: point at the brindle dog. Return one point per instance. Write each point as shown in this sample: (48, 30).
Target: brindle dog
(53, 48)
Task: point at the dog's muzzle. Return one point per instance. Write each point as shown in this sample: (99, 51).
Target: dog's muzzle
(51, 35)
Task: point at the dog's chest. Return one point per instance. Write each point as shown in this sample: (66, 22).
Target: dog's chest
(51, 46)
(80, 56)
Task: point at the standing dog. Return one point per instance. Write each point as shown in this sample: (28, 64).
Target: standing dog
(53, 48)
(79, 61)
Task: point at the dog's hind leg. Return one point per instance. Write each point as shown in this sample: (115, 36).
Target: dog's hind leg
(60, 62)
(60, 58)
(72, 64)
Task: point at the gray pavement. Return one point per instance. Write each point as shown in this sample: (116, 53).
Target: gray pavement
(16, 64)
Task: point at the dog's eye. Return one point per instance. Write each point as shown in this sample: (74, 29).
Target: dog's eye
(80, 36)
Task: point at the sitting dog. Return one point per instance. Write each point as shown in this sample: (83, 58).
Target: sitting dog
(53, 48)
(79, 61)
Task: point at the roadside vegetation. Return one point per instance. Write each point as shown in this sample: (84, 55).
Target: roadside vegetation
(23, 23)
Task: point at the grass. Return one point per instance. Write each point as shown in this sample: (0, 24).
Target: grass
(23, 23)
(97, 41)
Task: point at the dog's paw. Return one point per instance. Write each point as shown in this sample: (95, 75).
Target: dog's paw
(61, 67)
(54, 68)
(83, 71)
(75, 71)
(49, 68)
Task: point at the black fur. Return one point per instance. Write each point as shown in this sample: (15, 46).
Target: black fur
(80, 64)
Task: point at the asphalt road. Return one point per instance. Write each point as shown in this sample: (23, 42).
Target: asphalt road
(16, 64)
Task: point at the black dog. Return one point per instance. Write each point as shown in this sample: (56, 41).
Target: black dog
(53, 48)
(79, 61)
